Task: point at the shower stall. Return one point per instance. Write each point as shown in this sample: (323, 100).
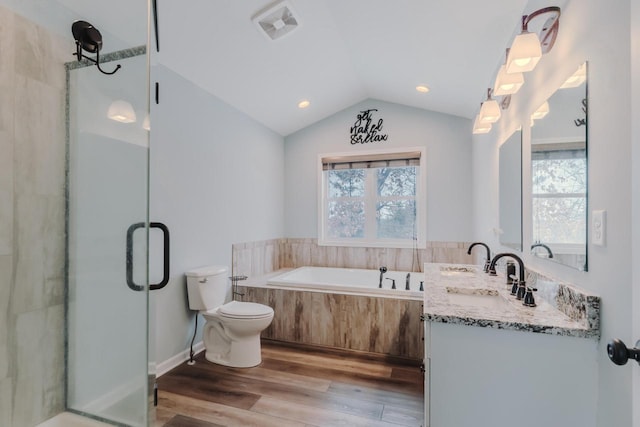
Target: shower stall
(107, 320)
(74, 214)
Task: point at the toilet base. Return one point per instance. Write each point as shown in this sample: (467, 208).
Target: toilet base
(235, 352)
(241, 354)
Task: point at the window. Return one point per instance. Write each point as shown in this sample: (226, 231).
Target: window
(559, 174)
(372, 199)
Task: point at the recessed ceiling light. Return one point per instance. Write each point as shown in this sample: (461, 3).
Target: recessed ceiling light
(422, 88)
(303, 104)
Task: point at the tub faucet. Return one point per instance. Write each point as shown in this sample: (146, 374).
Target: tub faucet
(383, 270)
(407, 288)
(393, 283)
(487, 261)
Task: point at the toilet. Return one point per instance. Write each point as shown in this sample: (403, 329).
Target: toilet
(231, 333)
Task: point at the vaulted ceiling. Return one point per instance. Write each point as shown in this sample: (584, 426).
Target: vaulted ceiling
(342, 52)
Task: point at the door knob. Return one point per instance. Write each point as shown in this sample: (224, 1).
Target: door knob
(619, 353)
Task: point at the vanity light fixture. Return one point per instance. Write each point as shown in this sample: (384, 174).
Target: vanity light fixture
(542, 111)
(507, 83)
(527, 53)
(490, 110)
(527, 48)
(577, 78)
(422, 88)
(121, 111)
(523, 55)
(303, 104)
(480, 127)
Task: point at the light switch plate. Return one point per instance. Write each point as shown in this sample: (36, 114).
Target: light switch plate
(598, 227)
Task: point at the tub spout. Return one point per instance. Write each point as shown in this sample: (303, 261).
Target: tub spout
(393, 283)
(383, 270)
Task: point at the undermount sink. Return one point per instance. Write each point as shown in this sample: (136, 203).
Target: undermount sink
(488, 298)
(458, 271)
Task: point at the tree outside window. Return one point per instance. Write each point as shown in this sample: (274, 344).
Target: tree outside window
(372, 201)
(559, 197)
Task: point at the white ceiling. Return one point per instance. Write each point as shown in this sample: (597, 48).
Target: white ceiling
(343, 52)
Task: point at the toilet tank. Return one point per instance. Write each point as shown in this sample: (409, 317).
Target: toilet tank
(207, 287)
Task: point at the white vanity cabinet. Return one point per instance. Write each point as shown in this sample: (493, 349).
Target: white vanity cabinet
(478, 376)
(490, 361)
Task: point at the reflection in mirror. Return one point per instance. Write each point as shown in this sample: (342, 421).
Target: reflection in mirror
(559, 174)
(510, 194)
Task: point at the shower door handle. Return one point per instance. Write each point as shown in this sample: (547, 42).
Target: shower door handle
(129, 261)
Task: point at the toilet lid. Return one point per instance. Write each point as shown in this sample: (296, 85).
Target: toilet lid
(239, 309)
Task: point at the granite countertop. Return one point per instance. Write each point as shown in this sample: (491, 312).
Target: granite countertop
(465, 295)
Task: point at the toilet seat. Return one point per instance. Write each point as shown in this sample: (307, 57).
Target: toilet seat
(245, 310)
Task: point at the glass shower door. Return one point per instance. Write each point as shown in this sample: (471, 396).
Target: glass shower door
(107, 192)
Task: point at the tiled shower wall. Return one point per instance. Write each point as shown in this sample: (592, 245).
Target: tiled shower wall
(258, 258)
(32, 140)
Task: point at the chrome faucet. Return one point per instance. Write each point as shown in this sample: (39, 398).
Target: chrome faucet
(520, 288)
(487, 260)
(383, 270)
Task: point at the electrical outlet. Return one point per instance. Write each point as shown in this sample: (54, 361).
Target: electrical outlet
(598, 227)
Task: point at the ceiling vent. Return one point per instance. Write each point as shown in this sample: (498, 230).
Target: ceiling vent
(276, 21)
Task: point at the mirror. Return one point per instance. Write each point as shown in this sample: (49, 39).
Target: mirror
(559, 174)
(510, 191)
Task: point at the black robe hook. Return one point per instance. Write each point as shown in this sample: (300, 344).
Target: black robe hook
(88, 38)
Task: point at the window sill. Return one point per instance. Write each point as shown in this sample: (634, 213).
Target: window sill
(395, 244)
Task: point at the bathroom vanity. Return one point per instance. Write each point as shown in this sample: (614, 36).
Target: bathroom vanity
(490, 361)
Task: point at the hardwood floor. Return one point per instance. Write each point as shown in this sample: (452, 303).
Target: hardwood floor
(293, 386)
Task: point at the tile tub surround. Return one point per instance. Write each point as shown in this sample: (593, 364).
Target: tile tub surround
(354, 322)
(261, 257)
(561, 317)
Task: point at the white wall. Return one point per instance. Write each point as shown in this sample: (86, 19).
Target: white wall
(216, 179)
(598, 32)
(447, 141)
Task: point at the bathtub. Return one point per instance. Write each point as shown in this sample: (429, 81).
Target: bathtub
(343, 308)
(350, 281)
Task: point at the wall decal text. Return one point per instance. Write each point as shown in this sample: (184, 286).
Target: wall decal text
(582, 122)
(364, 130)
